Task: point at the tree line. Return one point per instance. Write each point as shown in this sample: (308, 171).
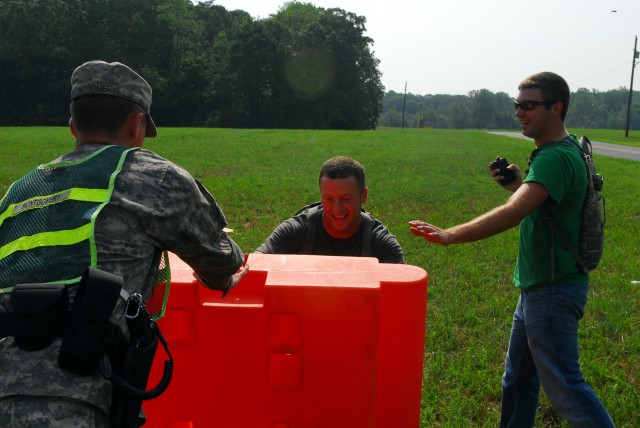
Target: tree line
(483, 109)
(302, 67)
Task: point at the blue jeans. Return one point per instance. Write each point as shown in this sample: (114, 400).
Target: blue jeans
(544, 349)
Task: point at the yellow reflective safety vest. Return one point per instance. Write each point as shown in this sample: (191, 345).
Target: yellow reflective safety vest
(47, 218)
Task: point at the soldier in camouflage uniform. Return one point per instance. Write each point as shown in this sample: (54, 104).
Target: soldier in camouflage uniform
(153, 205)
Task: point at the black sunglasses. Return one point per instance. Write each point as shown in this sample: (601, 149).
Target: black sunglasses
(528, 105)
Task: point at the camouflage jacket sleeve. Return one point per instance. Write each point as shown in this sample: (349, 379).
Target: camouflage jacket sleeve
(189, 223)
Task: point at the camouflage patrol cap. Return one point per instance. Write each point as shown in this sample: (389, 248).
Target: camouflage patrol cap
(116, 80)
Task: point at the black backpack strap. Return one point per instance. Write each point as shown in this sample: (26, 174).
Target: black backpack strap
(555, 230)
(313, 211)
(306, 208)
(367, 234)
(584, 145)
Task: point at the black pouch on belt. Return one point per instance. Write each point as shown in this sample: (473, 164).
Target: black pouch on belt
(131, 379)
(84, 336)
(39, 314)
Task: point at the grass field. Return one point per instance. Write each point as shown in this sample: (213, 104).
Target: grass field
(609, 136)
(260, 177)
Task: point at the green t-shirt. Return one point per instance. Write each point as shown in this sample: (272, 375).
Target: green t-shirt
(556, 165)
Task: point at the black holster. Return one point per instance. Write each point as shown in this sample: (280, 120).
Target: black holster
(132, 374)
(84, 337)
(90, 341)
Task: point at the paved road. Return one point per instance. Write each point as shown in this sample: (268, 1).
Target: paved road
(605, 149)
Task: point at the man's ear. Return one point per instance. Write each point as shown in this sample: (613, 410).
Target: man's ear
(72, 127)
(556, 108)
(132, 127)
(365, 191)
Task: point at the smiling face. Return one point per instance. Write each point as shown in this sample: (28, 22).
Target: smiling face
(542, 118)
(539, 122)
(342, 201)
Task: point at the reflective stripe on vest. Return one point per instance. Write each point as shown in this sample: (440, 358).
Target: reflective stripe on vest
(47, 218)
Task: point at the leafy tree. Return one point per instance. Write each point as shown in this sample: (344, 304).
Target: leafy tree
(253, 72)
(35, 56)
(391, 118)
(505, 117)
(328, 67)
(223, 32)
(303, 67)
(460, 116)
(483, 107)
(182, 96)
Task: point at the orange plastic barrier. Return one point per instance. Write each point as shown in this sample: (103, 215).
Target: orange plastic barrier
(301, 342)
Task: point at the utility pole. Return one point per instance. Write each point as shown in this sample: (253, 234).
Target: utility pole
(633, 66)
(404, 102)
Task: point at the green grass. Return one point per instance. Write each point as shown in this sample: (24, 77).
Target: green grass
(610, 136)
(260, 177)
(607, 136)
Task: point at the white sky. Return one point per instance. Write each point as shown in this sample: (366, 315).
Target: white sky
(455, 46)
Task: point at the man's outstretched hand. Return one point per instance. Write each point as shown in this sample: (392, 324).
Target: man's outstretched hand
(429, 232)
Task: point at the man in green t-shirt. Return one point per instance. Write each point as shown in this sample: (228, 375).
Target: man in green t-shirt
(543, 348)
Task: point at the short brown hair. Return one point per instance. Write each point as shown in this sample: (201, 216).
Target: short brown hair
(343, 167)
(102, 114)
